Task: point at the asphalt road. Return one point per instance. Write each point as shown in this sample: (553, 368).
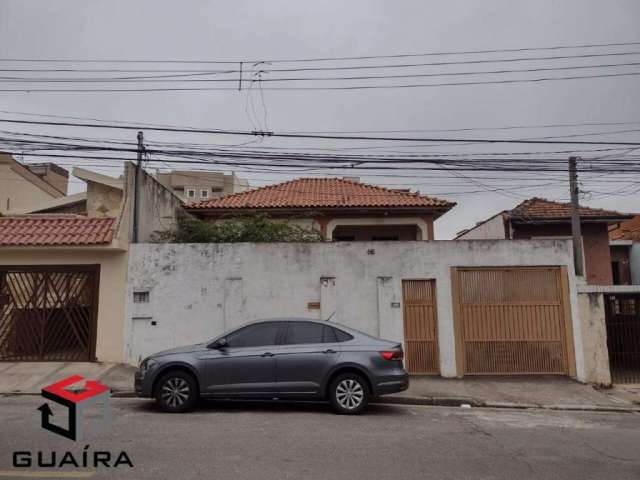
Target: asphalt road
(269, 441)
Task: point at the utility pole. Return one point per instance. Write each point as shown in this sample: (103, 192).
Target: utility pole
(576, 232)
(136, 190)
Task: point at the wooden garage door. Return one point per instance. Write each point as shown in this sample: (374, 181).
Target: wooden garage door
(48, 313)
(512, 321)
(420, 326)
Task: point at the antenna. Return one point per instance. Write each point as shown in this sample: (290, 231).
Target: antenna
(330, 316)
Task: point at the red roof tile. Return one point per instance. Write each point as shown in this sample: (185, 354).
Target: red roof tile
(322, 193)
(629, 230)
(542, 209)
(55, 230)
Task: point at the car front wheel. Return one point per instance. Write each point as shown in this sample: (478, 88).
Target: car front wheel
(176, 392)
(348, 394)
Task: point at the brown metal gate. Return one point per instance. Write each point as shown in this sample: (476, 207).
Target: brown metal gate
(48, 313)
(512, 321)
(420, 326)
(622, 317)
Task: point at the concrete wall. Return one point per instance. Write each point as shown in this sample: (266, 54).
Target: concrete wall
(197, 291)
(103, 200)
(491, 229)
(159, 207)
(594, 337)
(113, 270)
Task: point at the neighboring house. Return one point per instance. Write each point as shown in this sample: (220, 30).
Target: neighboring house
(340, 209)
(624, 240)
(62, 276)
(193, 186)
(24, 186)
(541, 218)
(62, 279)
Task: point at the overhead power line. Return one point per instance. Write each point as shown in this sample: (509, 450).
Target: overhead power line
(322, 59)
(164, 79)
(293, 88)
(317, 136)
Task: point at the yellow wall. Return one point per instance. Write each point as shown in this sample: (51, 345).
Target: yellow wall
(113, 272)
(17, 192)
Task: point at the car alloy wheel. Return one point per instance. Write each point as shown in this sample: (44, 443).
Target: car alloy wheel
(349, 394)
(175, 392)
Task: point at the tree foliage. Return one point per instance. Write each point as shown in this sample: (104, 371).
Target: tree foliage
(247, 228)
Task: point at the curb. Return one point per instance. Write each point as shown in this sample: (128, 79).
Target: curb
(474, 403)
(464, 402)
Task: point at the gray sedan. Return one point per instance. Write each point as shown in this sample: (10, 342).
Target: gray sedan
(288, 358)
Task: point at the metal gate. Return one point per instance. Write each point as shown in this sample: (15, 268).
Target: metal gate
(512, 321)
(420, 326)
(622, 318)
(48, 312)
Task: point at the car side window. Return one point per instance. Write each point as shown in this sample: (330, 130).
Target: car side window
(261, 335)
(303, 332)
(341, 336)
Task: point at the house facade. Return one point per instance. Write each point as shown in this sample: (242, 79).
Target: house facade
(340, 209)
(61, 284)
(63, 275)
(540, 218)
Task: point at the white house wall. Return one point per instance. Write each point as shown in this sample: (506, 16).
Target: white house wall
(197, 291)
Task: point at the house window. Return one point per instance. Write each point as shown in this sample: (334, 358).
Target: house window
(141, 297)
(204, 193)
(190, 192)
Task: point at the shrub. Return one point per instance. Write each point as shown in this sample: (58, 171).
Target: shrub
(247, 228)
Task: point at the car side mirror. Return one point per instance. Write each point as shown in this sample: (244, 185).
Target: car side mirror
(219, 344)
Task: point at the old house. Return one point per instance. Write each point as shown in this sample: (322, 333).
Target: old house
(340, 209)
(538, 218)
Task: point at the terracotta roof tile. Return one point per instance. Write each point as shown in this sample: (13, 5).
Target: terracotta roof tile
(55, 230)
(543, 209)
(322, 193)
(629, 230)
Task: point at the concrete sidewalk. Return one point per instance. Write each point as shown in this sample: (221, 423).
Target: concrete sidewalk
(549, 392)
(30, 377)
(500, 392)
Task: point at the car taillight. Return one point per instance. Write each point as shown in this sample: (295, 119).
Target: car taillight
(392, 355)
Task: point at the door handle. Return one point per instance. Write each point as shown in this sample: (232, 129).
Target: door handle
(267, 354)
(329, 350)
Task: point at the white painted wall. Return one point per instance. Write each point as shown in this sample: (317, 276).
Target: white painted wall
(197, 291)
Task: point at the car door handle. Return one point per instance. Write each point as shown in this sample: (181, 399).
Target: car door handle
(329, 350)
(267, 354)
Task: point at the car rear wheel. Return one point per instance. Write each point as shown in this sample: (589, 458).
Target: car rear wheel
(349, 394)
(176, 392)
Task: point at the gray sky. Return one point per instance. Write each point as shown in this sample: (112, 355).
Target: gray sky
(293, 29)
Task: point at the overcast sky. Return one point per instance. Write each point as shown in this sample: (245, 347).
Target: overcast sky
(236, 30)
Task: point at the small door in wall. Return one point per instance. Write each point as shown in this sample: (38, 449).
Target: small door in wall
(420, 326)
